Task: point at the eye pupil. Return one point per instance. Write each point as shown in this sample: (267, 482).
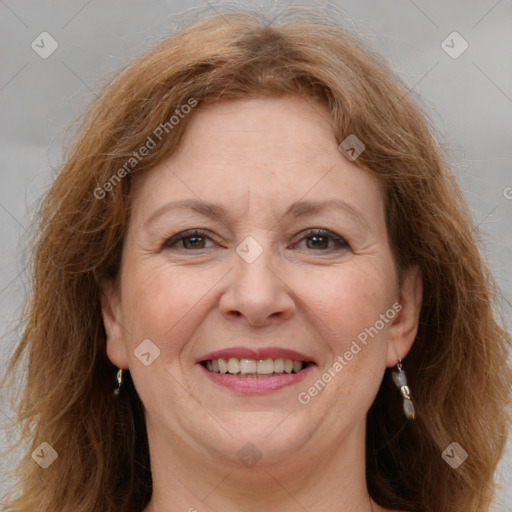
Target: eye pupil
(318, 238)
(188, 239)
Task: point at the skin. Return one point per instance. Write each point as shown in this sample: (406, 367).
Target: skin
(256, 157)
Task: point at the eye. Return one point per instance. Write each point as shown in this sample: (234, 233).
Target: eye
(191, 239)
(320, 240)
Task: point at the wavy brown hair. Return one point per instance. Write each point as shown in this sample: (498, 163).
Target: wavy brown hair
(457, 366)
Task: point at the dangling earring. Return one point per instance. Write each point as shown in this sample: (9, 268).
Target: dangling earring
(400, 381)
(119, 378)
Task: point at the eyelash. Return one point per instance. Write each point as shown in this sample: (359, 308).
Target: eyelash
(340, 242)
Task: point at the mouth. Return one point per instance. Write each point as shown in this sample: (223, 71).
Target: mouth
(252, 371)
(255, 368)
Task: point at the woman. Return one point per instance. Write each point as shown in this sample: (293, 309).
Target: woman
(256, 287)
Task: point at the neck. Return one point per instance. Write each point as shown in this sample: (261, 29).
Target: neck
(184, 479)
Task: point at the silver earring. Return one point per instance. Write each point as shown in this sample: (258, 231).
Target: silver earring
(119, 378)
(400, 381)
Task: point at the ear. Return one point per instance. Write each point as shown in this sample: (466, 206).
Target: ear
(405, 325)
(111, 313)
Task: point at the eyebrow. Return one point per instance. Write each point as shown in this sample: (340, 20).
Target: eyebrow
(297, 210)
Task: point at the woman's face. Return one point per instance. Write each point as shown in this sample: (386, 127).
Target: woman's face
(258, 283)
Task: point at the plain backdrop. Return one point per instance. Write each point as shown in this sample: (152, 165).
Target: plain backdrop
(468, 97)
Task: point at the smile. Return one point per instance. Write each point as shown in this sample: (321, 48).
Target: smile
(253, 368)
(244, 376)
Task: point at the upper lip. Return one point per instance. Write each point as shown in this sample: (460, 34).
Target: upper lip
(256, 353)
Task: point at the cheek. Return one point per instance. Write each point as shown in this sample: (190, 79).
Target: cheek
(161, 300)
(349, 309)
(167, 303)
(348, 302)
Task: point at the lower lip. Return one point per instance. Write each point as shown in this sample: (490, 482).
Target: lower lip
(257, 385)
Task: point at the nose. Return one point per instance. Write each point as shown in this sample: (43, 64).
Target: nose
(257, 290)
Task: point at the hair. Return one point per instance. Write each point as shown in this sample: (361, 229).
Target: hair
(457, 367)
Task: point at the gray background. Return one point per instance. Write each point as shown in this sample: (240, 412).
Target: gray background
(469, 100)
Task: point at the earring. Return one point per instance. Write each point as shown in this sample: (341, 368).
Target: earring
(400, 381)
(119, 378)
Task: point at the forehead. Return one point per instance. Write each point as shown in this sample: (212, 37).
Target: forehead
(259, 154)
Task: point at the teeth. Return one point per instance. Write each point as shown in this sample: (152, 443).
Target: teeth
(223, 366)
(250, 368)
(233, 365)
(265, 366)
(279, 365)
